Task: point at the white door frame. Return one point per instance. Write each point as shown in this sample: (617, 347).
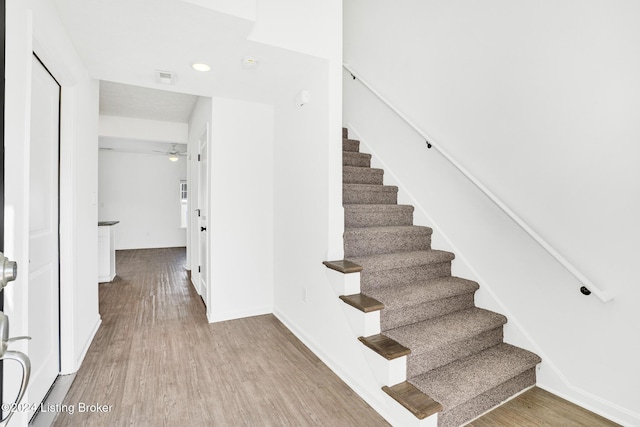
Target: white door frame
(44, 261)
(68, 107)
(18, 104)
(205, 220)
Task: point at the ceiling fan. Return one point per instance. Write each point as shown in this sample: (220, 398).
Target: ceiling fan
(173, 154)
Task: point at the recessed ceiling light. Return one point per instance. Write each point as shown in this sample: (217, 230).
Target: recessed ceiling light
(201, 66)
(249, 62)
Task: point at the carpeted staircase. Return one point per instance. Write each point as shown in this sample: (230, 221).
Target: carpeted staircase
(456, 353)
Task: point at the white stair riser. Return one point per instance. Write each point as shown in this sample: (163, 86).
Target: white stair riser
(344, 284)
(386, 372)
(362, 324)
(403, 418)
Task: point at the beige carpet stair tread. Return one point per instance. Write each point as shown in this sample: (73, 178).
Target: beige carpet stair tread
(371, 187)
(363, 241)
(391, 230)
(350, 145)
(400, 296)
(429, 335)
(402, 260)
(367, 194)
(466, 378)
(373, 208)
(361, 169)
(362, 215)
(418, 403)
(350, 158)
(385, 346)
(362, 302)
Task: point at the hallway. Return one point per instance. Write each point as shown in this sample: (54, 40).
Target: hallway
(156, 361)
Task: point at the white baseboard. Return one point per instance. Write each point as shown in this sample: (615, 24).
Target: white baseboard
(238, 314)
(386, 407)
(85, 349)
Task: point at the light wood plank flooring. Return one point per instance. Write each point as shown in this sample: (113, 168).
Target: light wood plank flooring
(158, 362)
(539, 408)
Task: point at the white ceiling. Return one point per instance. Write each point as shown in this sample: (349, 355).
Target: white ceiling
(126, 41)
(123, 100)
(123, 43)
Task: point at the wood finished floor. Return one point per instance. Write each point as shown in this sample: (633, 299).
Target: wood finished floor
(539, 408)
(158, 362)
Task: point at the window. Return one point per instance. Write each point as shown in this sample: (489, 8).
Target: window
(183, 191)
(183, 203)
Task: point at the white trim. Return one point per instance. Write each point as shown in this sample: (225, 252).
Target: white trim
(194, 283)
(67, 234)
(84, 351)
(498, 405)
(604, 296)
(364, 393)
(592, 408)
(68, 244)
(215, 317)
(206, 134)
(380, 401)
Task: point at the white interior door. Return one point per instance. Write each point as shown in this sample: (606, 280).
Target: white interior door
(43, 300)
(203, 206)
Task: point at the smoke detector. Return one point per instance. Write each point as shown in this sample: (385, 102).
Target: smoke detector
(165, 77)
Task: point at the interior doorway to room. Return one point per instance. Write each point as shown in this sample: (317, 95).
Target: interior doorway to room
(143, 166)
(44, 246)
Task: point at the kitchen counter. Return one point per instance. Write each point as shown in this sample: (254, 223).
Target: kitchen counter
(106, 251)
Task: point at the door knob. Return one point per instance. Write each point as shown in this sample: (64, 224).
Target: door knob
(19, 357)
(203, 228)
(25, 363)
(8, 271)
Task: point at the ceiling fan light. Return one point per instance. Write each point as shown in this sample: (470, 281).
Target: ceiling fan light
(173, 157)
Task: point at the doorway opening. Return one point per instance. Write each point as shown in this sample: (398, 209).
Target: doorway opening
(148, 170)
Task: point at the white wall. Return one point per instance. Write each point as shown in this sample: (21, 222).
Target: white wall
(33, 25)
(313, 28)
(143, 129)
(142, 192)
(79, 193)
(304, 299)
(240, 214)
(537, 102)
(308, 214)
(308, 210)
(303, 26)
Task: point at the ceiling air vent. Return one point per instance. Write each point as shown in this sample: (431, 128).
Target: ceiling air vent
(165, 77)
